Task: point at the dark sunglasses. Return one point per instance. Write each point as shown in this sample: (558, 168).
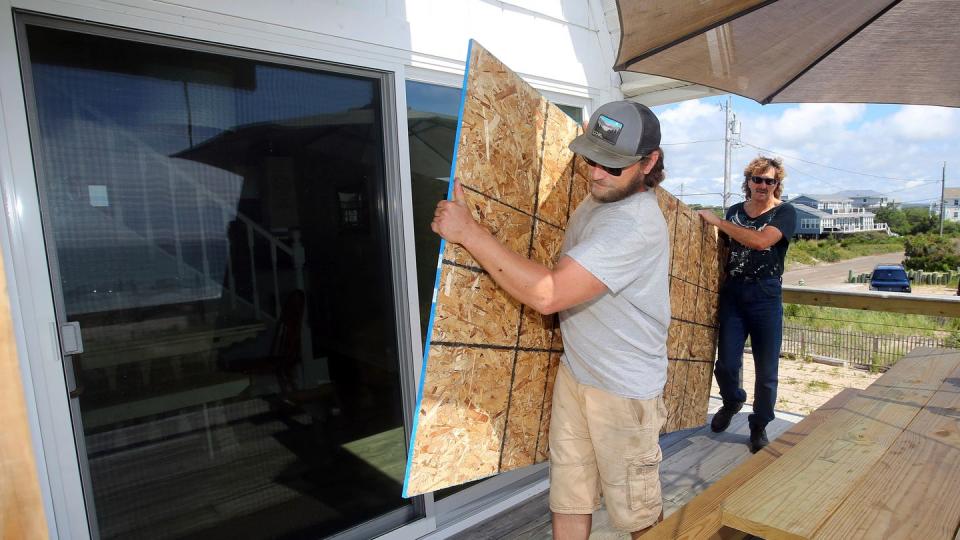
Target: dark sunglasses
(764, 180)
(612, 171)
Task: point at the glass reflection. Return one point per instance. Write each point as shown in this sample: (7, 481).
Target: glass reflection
(214, 228)
(575, 113)
(432, 113)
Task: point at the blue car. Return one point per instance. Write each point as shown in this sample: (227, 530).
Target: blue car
(890, 278)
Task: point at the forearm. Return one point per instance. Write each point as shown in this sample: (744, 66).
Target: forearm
(528, 281)
(750, 238)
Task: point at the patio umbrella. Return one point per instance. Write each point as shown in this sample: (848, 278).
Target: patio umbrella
(793, 51)
(349, 133)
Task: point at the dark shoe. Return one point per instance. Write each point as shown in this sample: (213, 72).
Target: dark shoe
(758, 439)
(721, 420)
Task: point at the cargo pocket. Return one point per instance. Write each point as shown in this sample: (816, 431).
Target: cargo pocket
(643, 480)
(662, 409)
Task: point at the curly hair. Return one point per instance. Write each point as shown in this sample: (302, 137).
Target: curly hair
(758, 166)
(656, 175)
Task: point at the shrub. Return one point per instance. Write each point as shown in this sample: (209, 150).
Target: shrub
(953, 340)
(931, 253)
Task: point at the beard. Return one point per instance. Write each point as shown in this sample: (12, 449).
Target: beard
(615, 195)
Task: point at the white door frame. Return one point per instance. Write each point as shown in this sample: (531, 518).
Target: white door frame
(32, 295)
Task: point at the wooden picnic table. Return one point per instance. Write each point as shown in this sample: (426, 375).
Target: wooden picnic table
(880, 463)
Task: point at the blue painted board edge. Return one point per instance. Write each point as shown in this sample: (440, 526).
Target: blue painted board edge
(436, 283)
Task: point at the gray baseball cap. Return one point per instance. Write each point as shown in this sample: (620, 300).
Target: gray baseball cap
(619, 134)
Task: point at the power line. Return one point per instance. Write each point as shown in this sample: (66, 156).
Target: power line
(921, 200)
(690, 142)
(830, 166)
(912, 187)
(817, 178)
(842, 188)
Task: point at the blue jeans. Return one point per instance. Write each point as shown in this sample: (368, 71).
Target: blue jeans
(750, 308)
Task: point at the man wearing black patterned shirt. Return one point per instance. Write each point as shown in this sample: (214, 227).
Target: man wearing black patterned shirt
(751, 302)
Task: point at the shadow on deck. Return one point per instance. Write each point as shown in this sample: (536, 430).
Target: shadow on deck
(692, 460)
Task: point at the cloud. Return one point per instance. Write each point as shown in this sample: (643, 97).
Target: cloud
(803, 121)
(688, 112)
(919, 123)
(824, 146)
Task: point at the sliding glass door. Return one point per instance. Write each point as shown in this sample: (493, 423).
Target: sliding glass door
(216, 226)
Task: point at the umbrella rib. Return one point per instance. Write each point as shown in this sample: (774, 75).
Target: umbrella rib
(623, 65)
(767, 100)
(443, 156)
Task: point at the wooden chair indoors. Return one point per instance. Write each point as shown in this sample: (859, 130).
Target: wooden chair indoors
(285, 347)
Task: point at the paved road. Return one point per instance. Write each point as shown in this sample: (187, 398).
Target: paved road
(834, 275)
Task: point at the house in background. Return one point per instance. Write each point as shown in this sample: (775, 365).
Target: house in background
(865, 198)
(835, 203)
(819, 215)
(951, 205)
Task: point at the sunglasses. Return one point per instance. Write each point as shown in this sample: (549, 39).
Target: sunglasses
(612, 171)
(764, 180)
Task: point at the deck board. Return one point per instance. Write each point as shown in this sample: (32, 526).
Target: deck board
(897, 500)
(718, 453)
(806, 485)
(701, 517)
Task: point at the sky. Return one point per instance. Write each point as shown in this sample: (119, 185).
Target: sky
(897, 150)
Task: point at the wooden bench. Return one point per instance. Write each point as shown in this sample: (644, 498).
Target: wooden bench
(701, 517)
(883, 462)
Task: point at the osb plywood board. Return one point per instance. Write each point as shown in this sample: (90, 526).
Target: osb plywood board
(21, 508)
(696, 262)
(484, 401)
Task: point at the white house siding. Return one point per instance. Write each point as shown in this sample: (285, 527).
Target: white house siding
(562, 47)
(951, 205)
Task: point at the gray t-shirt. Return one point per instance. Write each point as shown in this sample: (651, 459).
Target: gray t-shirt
(618, 341)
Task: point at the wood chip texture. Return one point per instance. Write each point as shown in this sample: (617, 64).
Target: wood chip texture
(487, 379)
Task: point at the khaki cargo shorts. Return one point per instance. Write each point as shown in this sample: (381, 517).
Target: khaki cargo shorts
(604, 443)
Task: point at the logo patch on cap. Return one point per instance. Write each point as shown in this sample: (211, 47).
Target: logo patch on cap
(607, 129)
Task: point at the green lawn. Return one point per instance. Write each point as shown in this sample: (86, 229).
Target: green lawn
(871, 322)
(831, 250)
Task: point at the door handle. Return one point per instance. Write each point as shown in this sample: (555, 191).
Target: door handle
(71, 339)
(71, 343)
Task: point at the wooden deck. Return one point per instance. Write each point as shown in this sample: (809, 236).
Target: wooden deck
(881, 462)
(692, 460)
(884, 465)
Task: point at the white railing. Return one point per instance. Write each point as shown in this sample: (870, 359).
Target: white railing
(230, 213)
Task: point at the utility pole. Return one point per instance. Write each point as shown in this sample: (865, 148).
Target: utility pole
(726, 154)
(731, 140)
(943, 184)
(681, 191)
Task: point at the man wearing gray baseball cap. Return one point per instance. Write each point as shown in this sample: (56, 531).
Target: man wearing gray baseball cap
(610, 288)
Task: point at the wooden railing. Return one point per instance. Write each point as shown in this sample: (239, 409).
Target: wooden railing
(875, 351)
(937, 306)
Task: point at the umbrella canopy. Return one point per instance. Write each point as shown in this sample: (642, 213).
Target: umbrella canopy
(350, 133)
(794, 51)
